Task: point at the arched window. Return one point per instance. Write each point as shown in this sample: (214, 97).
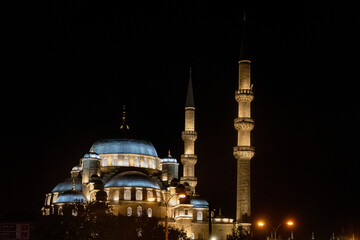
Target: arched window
(200, 236)
(199, 216)
(127, 194)
(136, 162)
(60, 211)
(149, 194)
(116, 195)
(192, 236)
(115, 161)
(104, 161)
(149, 212)
(158, 196)
(74, 212)
(126, 161)
(139, 211)
(139, 195)
(151, 163)
(129, 211)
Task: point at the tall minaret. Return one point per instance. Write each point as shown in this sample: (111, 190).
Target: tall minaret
(189, 137)
(243, 152)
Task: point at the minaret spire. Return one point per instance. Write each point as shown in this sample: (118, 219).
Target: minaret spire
(189, 137)
(190, 94)
(244, 49)
(244, 124)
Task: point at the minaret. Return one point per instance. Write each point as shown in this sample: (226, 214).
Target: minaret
(244, 124)
(189, 137)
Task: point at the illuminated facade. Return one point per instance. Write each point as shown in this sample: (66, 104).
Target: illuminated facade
(127, 172)
(244, 124)
(130, 172)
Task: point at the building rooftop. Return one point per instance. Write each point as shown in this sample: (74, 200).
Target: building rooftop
(122, 145)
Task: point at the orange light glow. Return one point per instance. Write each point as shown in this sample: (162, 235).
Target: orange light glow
(151, 199)
(182, 195)
(290, 223)
(261, 224)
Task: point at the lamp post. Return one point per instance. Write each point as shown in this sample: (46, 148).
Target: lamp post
(182, 194)
(262, 224)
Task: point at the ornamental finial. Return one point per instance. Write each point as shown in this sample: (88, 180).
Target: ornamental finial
(124, 126)
(169, 155)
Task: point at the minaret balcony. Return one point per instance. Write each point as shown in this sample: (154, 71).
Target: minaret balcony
(189, 136)
(245, 124)
(244, 152)
(189, 159)
(244, 95)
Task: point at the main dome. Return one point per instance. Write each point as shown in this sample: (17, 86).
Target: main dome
(132, 179)
(122, 145)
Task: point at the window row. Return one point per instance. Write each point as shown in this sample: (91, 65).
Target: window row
(132, 161)
(139, 195)
(139, 212)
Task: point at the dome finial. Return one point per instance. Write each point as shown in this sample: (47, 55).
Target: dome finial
(124, 126)
(169, 155)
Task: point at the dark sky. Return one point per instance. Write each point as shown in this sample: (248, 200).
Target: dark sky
(70, 65)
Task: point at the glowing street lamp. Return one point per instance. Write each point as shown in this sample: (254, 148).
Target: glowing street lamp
(262, 224)
(180, 191)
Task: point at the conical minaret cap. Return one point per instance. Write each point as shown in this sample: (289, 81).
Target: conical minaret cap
(190, 94)
(244, 44)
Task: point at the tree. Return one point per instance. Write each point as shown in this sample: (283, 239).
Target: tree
(96, 222)
(239, 233)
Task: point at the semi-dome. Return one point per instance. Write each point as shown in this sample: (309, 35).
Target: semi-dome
(199, 202)
(67, 185)
(123, 145)
(71, 196)
(132, 179)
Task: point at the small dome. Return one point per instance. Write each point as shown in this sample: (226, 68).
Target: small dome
(174, 182)
(67, 184)
(101, 195)
(124, 146)
(199, 202)
(132, 179)
(92, 155)
(169, 160)
(76, 168)
(71, 196)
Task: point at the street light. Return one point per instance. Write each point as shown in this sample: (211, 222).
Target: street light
(262, 224)
(180, 191)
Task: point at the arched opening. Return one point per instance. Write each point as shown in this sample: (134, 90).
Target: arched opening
(199, 216)
(149, 212)
(139, 211)
(129, 211)
(127, 194)
(139, 195)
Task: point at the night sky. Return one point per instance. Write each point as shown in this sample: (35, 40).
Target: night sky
(71, 65)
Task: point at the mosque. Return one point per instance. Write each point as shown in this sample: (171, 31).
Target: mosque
(127, 173)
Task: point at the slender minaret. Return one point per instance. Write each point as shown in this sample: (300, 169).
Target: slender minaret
(244, 124)
(189, 137)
